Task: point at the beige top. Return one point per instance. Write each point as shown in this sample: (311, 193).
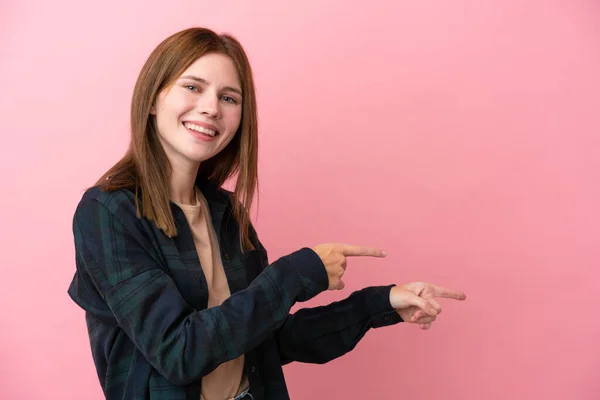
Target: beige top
(228, 379)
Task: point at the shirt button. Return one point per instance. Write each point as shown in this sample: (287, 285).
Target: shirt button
(253, 369)
(386, 318)
(227, 256)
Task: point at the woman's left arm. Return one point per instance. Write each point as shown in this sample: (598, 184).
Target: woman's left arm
(320, 334)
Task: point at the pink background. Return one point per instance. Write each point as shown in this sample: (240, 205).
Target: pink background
(463, 136)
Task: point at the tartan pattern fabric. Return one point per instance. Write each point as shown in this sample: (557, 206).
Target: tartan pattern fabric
(145, 300)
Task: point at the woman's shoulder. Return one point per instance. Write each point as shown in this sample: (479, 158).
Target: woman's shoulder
(117, 202)
(108, 198)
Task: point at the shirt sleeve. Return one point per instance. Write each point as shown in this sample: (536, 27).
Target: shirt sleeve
(114, 249)
(320, 334)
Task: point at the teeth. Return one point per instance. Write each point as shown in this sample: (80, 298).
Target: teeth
(201, 129)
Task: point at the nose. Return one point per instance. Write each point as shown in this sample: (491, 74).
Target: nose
(208, 105)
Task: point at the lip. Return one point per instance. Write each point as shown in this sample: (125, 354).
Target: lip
(204, 125)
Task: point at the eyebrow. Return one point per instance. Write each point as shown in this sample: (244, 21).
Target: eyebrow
(205, 82)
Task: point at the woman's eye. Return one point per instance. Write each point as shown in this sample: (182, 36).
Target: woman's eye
(229, 99)
(191, 87)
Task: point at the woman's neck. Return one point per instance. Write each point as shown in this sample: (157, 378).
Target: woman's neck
(181, 184)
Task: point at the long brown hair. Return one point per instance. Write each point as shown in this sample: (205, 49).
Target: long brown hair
(145, 166)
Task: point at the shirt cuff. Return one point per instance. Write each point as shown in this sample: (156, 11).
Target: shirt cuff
(310, 270)
(377, 299)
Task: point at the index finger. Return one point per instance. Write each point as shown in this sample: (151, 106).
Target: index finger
(448, 293)
(361, 251)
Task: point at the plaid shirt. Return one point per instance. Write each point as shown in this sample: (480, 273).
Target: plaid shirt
(145, 296)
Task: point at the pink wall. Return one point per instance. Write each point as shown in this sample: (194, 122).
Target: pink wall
(461, 136)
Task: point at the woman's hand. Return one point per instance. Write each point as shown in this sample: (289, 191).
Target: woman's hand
(334, 257)
(415, 302)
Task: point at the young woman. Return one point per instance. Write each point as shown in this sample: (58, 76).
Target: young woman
(180, 299)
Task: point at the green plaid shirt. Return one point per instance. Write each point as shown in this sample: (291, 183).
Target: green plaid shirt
(145, 297)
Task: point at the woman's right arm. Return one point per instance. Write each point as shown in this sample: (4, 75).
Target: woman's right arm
(182, 343)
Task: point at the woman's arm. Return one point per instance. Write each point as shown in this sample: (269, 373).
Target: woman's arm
(183, 344)
(321, 334)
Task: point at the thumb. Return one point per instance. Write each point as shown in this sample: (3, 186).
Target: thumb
(429, 307)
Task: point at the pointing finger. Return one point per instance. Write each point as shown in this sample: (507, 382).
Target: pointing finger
(447, 293)
(361, 251)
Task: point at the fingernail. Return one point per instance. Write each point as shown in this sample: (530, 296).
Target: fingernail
(383, 253)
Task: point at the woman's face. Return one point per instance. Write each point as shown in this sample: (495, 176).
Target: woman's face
(200, 113)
